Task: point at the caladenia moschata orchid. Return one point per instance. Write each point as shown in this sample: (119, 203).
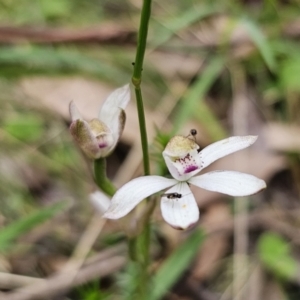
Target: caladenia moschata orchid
(98, 137)
(184, 160)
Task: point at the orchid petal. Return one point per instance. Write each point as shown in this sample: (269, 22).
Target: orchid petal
(180, 213)
(112, 112)
(133, 192)
(224, 147)
(74, 113)
(229, 182)
(117, 129)
(100, 201)
(85, 138)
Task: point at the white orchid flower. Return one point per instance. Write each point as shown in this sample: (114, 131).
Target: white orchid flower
(98, 137)
(184, 160)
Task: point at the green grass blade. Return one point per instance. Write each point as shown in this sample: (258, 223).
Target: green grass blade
(175, 265)
(19, 227)
(276, 255)
(289, 74)
(194, 97)
(206, 117)
(22, 61)
(164, 31)
(261, 43)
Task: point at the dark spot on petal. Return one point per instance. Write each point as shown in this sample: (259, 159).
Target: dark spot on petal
(102, 145)
(190, 169)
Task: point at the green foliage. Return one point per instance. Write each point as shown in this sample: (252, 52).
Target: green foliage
(23, 61)
(275, 254)
(194, 99)
(92, 291)
(174, 266)
(165, 29)
(64, 156)
(55, 8)
(16, 229)
(128, 281)
(29, 12)
(25, 127)
(261, 42)
(289, 74)
(160, 142)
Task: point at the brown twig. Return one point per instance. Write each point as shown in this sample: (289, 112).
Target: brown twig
(86, 242)
(12, 281)
(100, 34)
(58, 284)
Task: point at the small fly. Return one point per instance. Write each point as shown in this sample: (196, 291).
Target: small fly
(172, 195)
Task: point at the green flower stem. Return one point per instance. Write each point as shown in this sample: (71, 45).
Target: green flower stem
(101, 179)
(132, 249)
(139, 246)
(142, 40)
(143, 130)
(137, 79)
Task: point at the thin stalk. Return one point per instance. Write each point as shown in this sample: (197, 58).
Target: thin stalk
(107, 186)
(142, 41)
(241, 242)
(143, 130)
(101, 179)
(137, 79)
(139, 246)
(131, 248)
